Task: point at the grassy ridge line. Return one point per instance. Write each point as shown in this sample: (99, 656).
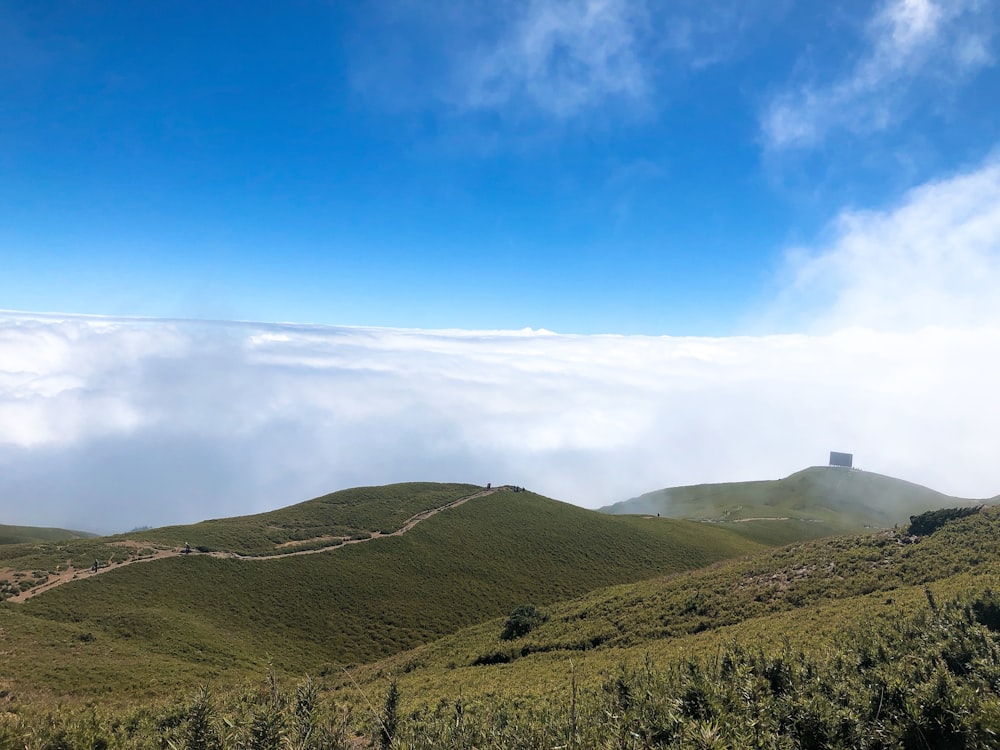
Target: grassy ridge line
(314, 613)
(314, 524)
(808, 593)
(345, 513)
(816, 502)
(151, 555)
(34, 534)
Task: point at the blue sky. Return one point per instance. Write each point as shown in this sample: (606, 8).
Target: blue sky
(590, 247)
(584, 166)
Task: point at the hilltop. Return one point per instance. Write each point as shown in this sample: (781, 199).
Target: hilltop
(812, 503)
(36, 565)
(148, 627)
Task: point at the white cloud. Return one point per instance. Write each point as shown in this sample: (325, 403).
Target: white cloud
(931, 260)
(529, 62)
(561, 57)
(174, 422)
(911, 43)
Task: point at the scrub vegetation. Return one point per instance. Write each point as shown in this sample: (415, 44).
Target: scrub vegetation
(880, 640)
(178, 619)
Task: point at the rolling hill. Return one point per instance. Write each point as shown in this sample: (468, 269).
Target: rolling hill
(872, 595)
(885, 639)
(147, 628)
(349, 514)
(36, 534)
(812, 503)
(36, 565)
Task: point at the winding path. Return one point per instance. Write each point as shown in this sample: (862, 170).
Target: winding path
(72, 574)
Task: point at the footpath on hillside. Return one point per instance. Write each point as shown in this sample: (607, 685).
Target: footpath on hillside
(74, 574)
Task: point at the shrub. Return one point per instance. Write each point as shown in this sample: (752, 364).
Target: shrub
(932, 520)
(522, 621)
(199, 733)
(390, 716)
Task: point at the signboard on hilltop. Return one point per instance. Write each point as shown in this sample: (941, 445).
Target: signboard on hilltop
(841, 459)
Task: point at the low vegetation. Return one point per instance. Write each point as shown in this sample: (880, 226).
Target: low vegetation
(810, 595)
(322, 523)
(879, 640)
(928, 680)
(353, 513)
(35, 534)
(185, 617)
(931, 521)
(809, 504)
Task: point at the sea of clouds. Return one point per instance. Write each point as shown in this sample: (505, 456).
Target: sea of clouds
(110, 423)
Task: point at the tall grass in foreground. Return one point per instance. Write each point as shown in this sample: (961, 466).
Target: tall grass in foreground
(929, 680)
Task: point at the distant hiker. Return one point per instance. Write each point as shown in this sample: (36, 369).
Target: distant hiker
(488, 485)
(187, 548)
(95, 566)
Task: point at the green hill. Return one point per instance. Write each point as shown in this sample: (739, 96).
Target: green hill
(877, 640)
(808, 504)
(35, 534)
(356, 513)
(810, 598)
(321, 523)
(144, 629)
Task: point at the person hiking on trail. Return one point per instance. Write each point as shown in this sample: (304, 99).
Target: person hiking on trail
(487, 485)
(95, 566)
(187, 548)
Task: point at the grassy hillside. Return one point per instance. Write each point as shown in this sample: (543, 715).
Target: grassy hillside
(881, 641)
(345, 514)
(140, 627)
(809, 504)
(323, 522)
(806, 596)
(35, 534)
(925, 679)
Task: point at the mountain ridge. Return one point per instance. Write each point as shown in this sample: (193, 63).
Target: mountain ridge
(813, 502)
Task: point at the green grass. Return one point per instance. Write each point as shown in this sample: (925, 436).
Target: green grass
(28, 565)
(197, 615)
(807, 593)
(313, 524)
(819, 501)
(347, 513)
(915, 675)
(878, 640)
(34, 534)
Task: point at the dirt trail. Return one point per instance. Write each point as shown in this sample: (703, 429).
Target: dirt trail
(72, 574)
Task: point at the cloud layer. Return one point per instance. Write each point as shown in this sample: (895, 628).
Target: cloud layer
(109, 424)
